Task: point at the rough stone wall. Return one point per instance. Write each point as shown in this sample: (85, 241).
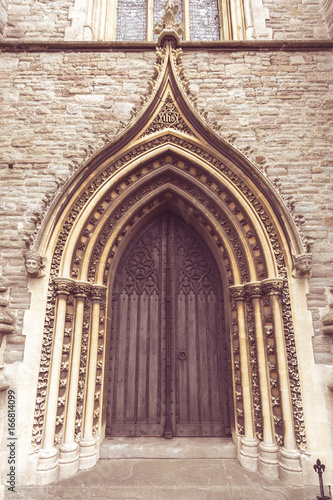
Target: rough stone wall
(296, 19)
(3, 18)
(38, 19)
(47, 20)
(54, 105)
(281, 105)
(328, 12)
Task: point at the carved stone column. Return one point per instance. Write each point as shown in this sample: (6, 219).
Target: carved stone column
(290, 470)
(249, 443)
(6, 328)
(88, 453)
(68, 457)
(268, 449)
(48, 460)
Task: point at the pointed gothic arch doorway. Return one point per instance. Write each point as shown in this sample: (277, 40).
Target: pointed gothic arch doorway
(169, 359)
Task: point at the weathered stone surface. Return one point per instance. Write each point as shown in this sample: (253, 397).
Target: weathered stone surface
(56, 104)
(65, 19)
(168, 480)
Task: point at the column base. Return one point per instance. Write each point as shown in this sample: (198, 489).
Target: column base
(249, 454)
(269, 460)
(68, 460)
(88, 453)
(47, 469)
(290, 471)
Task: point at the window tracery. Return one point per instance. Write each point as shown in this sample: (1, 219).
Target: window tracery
(133, 20)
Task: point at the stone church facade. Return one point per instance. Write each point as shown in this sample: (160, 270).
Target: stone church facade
(166, 231)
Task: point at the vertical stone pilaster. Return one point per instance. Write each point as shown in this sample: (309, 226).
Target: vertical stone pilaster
(48, 461)
(290, 470)
(68, 457)
(268, 456)
(249, 443)
(88, 454)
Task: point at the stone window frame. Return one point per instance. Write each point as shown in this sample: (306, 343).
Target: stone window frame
(244, 20)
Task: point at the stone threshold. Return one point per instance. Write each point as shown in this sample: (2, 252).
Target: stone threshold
(160, 448)
(220, 46)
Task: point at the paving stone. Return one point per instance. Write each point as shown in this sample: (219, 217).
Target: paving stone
(171, 479)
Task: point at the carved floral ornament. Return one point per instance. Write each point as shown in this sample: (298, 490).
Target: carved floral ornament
(167, 158)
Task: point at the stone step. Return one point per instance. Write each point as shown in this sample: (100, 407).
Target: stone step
(152, 447)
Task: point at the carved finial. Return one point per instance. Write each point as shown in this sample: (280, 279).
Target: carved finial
(34, 264)
(168, 25)
(303, 266)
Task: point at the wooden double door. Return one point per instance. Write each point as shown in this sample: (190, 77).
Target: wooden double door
(168, 368)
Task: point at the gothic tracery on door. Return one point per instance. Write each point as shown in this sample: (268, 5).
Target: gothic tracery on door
(168, 367)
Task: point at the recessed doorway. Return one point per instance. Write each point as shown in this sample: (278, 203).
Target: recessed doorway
(168, 361)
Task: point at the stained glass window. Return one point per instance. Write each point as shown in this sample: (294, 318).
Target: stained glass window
(204, 19)
(131, 20)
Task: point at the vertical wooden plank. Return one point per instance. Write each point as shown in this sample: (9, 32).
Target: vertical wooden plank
(163, 320)
(154, 358)
(112, 365)
(193, 362)
(142, 357)
(203, 347)
(131, 356)
(182, 365)
(121, 356)
(214, 358)
(168, 336)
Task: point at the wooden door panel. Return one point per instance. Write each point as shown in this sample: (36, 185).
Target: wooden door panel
(199, 395)
(136, 372)
(168, 349)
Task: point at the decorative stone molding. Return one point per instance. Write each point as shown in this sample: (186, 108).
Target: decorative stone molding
(330, 381)
(237, 292)
(272, 286)
(63, 286)
(6, 328)
(98, 292)
(327, 320)
(168, 117)
(254, 290)
(302, 266)
(6, 321)
(168, 25)
(34, 264)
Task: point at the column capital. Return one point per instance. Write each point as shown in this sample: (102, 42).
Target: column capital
(98, 292)
(82, 289)
(63, 286)
(237, 292)
(273, 286)
(254, 289)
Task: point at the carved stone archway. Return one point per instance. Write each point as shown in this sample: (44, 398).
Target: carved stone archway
(168, 157)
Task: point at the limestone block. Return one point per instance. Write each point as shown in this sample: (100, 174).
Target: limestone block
(23, 141)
